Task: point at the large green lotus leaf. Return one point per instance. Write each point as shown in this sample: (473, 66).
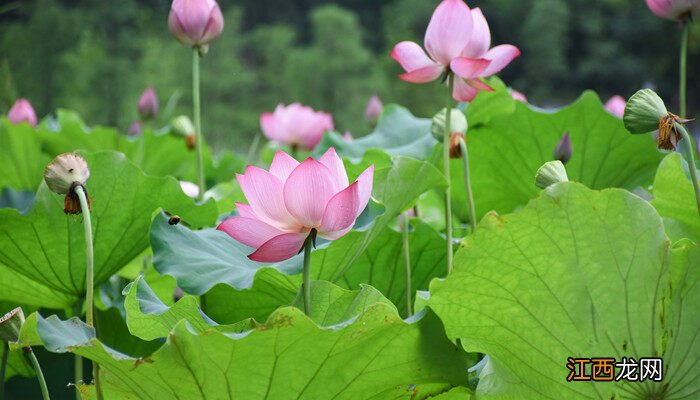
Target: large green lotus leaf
(400, 133)
(576, 273)
(674, 199)
(22, 159)
(47, 247)
(148, 318)
(382, 265)
(158, 154)
(270, 290)
(506, 153)
(288, 357)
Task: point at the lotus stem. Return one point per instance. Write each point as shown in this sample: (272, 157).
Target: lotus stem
(683, 67)
(407, 263)
(89, 276)
(467, 183)
(306, 285)
(39, 375)
(688, 150)
(3, 368)
(197, 123)
(446, 166)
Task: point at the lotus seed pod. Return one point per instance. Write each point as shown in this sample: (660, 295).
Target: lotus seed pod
(182, 126)
(66, 171)
(10, 325)
(458, 123)
(550, 173)
(644, 111)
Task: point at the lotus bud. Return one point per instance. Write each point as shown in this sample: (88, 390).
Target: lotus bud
(550, 173)
(181, 126)
(458, 123)
(11, 324)
(148, 104)
(518, 96)
(66, 172)
(563, 149)
(22, 111)
(645, 112)
(190, 189)
(195, 23)
(374, 109)
(347, 136)
(135, 129)
(682, 11)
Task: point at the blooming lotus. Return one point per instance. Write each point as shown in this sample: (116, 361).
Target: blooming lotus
(22, 111)
(676, 10)
(195, 22)
(294, 200)
(148, 104)
(458, 40)
(296, 125)
(616, 106)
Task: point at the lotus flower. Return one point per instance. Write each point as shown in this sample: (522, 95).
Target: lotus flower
(22, 111)
(195, 22)
(616, 106)
(291, 200)
(676, 10)
(148, 104)
(296, 125)
(374, 109)
(564, 149)
(457, 40)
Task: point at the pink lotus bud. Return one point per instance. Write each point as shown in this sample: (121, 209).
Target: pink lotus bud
(374, 109)
(148, 104)
(22, 111)
(564, 149)
(616, 106)
(347, 136)
(675, 10)
(294, 200)
(135, 129)
(296, 125)
(195, 23)
(518, 96)
(190, 189)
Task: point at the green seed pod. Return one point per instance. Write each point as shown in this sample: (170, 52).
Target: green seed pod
(643, 112)
(10, 325)
(182, 126)
(458, 123)
(550, 173)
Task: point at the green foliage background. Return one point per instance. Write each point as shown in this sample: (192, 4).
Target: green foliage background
(98, 56)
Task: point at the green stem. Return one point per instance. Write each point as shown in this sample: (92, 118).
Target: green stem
(89, 275)
(688, 150)
(39, 374)
(89, 257)
(307, 274)
(407, 264)
(467, 183)
(446, 166)
(251, 158)
(3, 368)
(197, 123)
(295, 151)
(78, 360)
(683, 67)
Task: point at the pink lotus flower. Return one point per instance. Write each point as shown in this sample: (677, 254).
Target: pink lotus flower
(616, 106)
(458, 40)
(675, 10)
(148, 104)
(296, 125)
(374, 109)
(290, 200)
(22, 111)
(518, 96)
(195, 22)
